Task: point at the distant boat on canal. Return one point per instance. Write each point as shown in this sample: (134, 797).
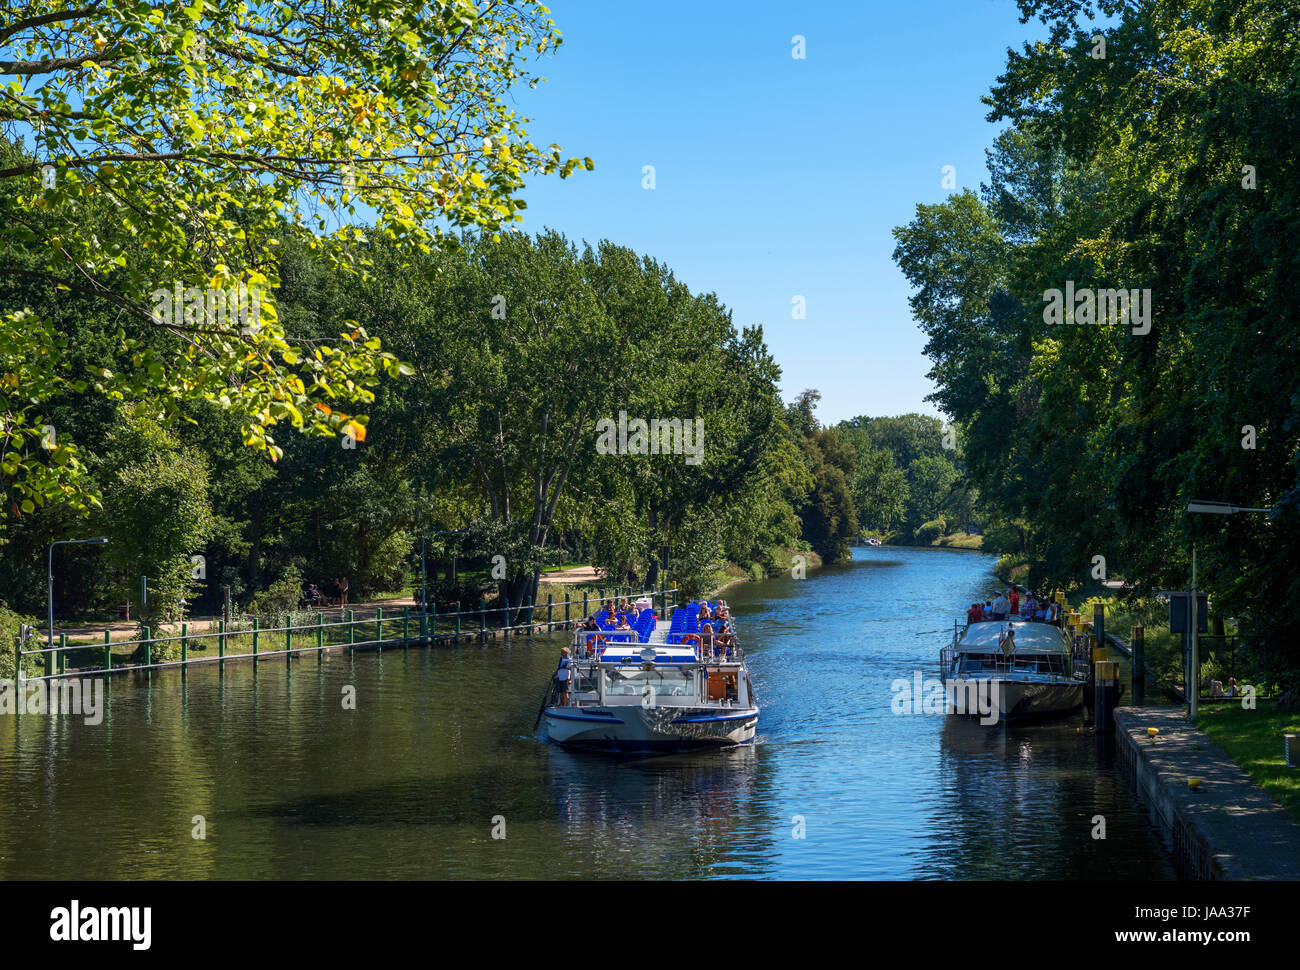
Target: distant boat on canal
(666, 684)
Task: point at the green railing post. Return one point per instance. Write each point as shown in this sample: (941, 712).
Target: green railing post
(566, 607)
(505, 619)
(320, 636)
(528, 615)
(148, 646)
(585, 612)
(482, 618)
(550, 613)
(108, 651)
(352, 631)
(185, 646)
(49, 658)
(458, 621)
(406, 625)
(379, 628)
(221, 642)
(256, 625)
(18, 673)
(424, 629)
(288, 638)
(63, 653)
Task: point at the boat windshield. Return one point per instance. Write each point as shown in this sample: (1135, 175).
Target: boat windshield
(666, 681)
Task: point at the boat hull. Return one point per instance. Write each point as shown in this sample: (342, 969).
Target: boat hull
(1016, 700)
(633, 727)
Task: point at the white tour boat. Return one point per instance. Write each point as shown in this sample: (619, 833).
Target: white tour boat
(1011, 669)
(663, 685)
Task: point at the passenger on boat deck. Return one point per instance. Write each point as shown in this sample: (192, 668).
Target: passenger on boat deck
(1000, 607)
(1014, 600)
(705, 613)
(562, 675)
(1030, 606)
(973, 614)
(622, 624)
(706, 637)
(725, 641)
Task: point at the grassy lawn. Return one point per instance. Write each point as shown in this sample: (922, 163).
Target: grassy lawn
(960, 540)
(1253, 739)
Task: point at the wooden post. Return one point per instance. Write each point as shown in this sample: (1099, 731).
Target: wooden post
(1138, 639)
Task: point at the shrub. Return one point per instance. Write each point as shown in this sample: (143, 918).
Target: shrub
(9, 623)
(929, 531)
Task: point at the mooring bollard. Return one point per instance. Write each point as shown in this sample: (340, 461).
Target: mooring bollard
(1105, 695)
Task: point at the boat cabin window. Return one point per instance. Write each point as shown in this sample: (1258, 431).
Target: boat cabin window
(666, 681)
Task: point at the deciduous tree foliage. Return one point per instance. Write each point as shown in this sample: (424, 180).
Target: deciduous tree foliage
(155, 147)
(1169, 165)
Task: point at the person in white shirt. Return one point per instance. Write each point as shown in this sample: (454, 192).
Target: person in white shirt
(1000, 607)
(562, 675)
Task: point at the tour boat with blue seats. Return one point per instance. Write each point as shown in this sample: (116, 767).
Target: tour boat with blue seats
(666, 683)
(1011, 669)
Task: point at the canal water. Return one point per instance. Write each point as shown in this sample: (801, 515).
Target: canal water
(438, 756)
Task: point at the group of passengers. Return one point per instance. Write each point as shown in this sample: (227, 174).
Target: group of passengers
(1007, 604)
(721, 642)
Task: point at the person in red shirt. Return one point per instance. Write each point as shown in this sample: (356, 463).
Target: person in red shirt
(1015, 601)
(974, 614)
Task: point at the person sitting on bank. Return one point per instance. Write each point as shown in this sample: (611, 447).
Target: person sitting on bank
(562, 676)
(1232, 688)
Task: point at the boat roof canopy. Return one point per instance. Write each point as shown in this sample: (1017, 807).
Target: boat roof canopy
(1029, 637)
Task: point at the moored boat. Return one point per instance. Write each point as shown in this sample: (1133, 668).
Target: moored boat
(664, 684)
(1010, 669)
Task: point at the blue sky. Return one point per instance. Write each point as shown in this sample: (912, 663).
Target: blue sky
(776, 177)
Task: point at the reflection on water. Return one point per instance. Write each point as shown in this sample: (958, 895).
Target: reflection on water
(440, 753)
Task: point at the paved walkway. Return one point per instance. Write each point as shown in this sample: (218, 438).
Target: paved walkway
(1244, 832)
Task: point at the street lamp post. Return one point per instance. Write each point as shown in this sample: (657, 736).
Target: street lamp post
(1194, 673)
(49, 581)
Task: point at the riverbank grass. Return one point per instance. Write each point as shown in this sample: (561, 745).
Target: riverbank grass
(1253, 739)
